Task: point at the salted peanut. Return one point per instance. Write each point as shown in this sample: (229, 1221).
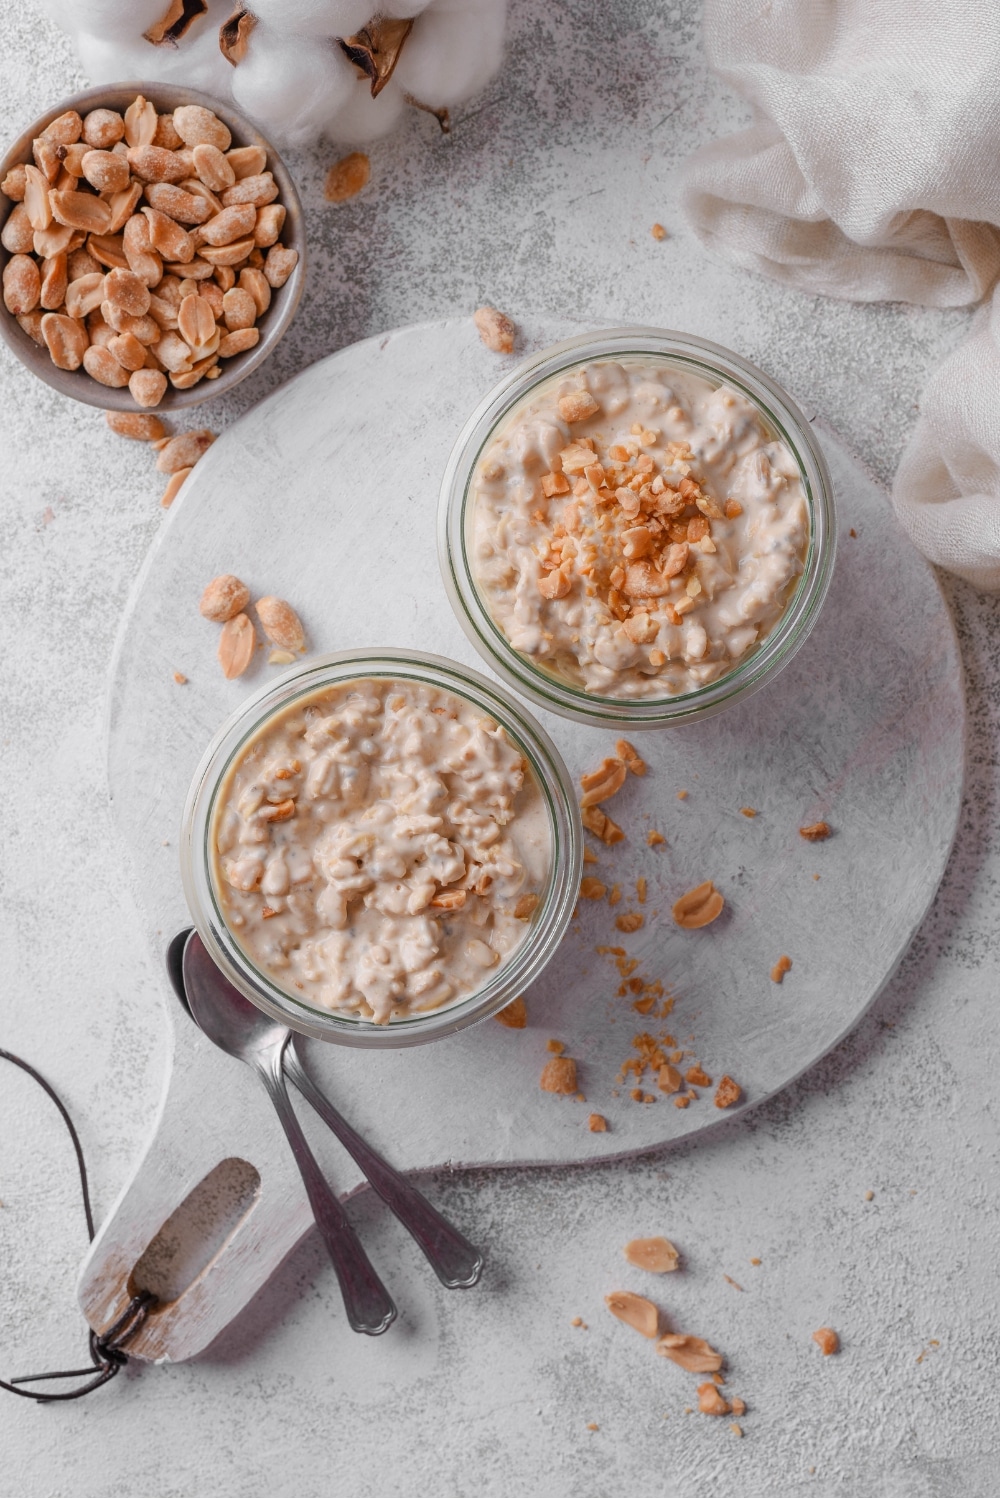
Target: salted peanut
(177, 203)
(553, 484)
(101, 365)
(81, 263)
(139, 251)
(22, 284)
(106, 171)
(815, 833)
(827, 1340)
(190, 270)
(204, 194)
(597, 1124)
(597, 821)
(80, 211)
(212, 293)
(347, 177)
(53, 291)
(498, 332)
(37, 204)
(17, 235)
(655, 1254)
(127, 350)
(781, 968)
(144, 328)
(728, 1092)
(630, 921)
(633, 761)
(690, 1353)
(72, 161)
(127, 291)
(711, 1401)
(65, 128)
(554, 585)
(196, 322)
(669, 1079)
(108, 250)
(238, 341)
(281, 624)
(224, 277)
(132, 424)
(268, 225)
(139, 124)
(103, 128)
(739, 1407)
(698, 907)
(444, 900)
(514, 1015)
(47, 159)
(279, 265)
(224, 597)
(167, 237)
(185, 450)
(238, 309)
(256, 283)
(198, 126)
(166, 131)
(236, 646)
(638, 1312)
(592, 889)
(212, 167)
(173, 354)
(123, 206)
(167, 499)
(598, 785)
(31, 322)
(246, 161)
(154, 164)
(644, 581)
(231, 224)
(14, 183)
(55, 239)
(559, 1076)
(227, 255)
(66, 340)
(257, 190)
(577, 406)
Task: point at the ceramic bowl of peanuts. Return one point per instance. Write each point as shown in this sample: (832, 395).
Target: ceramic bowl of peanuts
(152, 247)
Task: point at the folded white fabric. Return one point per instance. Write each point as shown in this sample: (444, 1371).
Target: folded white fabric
(871, 170)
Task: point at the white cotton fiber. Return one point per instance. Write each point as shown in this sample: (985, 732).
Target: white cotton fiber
(402, 10)
(292, 85)
(313, 17)
(113, 20)
(452, 51)
(197, 62)
(362, 118)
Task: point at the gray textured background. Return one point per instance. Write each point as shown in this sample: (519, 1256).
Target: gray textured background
(542, 199)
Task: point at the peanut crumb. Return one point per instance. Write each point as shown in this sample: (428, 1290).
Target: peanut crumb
(739, 1407)
(732, 1282)
(682, 1101)
(653, 838)
(597, 1124)
(589, 857)
(658, 232)
(692, 1354)
(592, 889)
(640, 888)
(576, 1322)
(710, 1402)
(559, 1076)
(498, 332)
(557, 1047)
(869, 1196)
(696, 1074)
(681, 796)
(755, 1260)
(655, 1254)
(598, 823)
(827, 1340)
(781, 968)
(728, 1092)
(736, 1429)
(180, 679)
(815, 833)
(749, 812)
(852, 532)
(638, 1312)
(629, 755)
(347, 177)
(629, 921)
(615, 896)
(592, 1427)
(514, 1015)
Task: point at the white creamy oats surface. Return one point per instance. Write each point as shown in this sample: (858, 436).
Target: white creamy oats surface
(380, 847)
(636, 530)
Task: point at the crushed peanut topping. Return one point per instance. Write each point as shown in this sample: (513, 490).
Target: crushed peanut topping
(638, 1312)
(559, 1076)
(597, 1124)
(596, 820)
(711, 1402)
(697, 1074)
(827, 1339)
(781, 968)
(631, 757)
(629, 921)
(557, 1047)
(815, 833)
(653, 838)
(698, 907)
(592, 889)
(728, 1093)
(655, 1254)
(692, 1354)
(749, 812)
(514, 1015)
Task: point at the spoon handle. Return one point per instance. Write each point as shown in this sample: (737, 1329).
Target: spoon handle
(369, 1307)
(455, 1261)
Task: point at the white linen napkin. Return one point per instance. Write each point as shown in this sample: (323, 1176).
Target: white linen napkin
(871, 171)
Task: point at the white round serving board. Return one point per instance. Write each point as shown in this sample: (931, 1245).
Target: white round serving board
(326, 495)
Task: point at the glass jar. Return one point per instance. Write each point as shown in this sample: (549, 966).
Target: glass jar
(545, 926)
(781, 420)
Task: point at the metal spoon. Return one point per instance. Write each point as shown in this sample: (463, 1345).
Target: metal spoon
(230, 1021)
(455, 1261)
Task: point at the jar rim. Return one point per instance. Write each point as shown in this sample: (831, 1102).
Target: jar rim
(304, 681)
(542, 686)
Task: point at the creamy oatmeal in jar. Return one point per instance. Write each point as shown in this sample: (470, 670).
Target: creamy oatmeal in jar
(635, 529)
(379, 848)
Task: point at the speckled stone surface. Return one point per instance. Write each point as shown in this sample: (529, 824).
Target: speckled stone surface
(542, 200)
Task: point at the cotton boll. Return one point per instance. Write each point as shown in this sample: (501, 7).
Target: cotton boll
(115, 20)
(403, 10)
(314, 17)
(196, 62)
(362, 118)
(452, 51)
(292, 85)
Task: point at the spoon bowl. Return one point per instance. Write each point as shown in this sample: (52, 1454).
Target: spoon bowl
(224, 1014)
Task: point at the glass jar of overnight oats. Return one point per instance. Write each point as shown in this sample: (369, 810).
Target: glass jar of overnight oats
(380, 849)
(636, 528)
